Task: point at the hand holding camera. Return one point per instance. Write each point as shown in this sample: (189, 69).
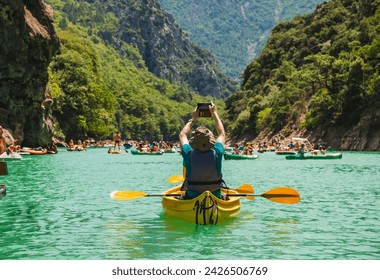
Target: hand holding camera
(204, 109)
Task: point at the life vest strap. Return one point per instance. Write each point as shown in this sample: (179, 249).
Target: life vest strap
(205, 182)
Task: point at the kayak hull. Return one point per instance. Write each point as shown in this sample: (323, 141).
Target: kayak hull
(35, 152)
(76, 149)
(285, 152)
(206, 209)
(136, 152)
(326, 156)
(228, 156)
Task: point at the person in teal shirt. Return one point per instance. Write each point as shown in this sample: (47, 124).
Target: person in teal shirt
(202, 156)
(301, 151)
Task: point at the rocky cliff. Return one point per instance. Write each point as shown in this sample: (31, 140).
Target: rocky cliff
(317, 77)
(364, 136)
(27, 44)
(167, 51)
(235, 31)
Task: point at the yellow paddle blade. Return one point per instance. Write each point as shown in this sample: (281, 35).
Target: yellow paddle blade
(127, 195)
(285, 195)
(175, 179)
(246, 188)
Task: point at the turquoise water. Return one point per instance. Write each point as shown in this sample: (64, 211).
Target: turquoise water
(58, 207)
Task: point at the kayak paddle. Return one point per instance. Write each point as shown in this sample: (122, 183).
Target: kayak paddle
(176, 179)
(284, 195)
(131, 195)
(243, 189)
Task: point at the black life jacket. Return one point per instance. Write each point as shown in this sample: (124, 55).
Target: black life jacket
(204, 174)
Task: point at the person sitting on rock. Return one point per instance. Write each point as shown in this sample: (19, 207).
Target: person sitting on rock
(3, 145)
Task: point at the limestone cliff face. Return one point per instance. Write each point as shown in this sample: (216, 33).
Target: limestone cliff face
(167, 51)
(364, 136)
(27, 44)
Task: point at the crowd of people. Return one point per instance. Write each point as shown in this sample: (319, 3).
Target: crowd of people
(79, 146)
(115, 145)
(155, 146)
(295, 146)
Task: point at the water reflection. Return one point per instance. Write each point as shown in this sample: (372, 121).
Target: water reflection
(283, 231)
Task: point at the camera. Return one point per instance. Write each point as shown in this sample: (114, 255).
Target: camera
(203, 109)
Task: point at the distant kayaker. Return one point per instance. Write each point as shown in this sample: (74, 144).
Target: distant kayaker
(322, 150)
(236, 150)
(202, 156)
(301, 150)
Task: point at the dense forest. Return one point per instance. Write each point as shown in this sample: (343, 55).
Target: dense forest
(234, 31)
(99, 88)
(318, 75)
(316, 72)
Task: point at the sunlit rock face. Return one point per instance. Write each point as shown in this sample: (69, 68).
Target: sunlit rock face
(27, 43)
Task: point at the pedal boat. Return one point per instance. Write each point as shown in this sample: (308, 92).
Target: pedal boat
(205, 209)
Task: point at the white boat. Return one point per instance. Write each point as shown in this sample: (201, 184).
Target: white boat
(12, 156)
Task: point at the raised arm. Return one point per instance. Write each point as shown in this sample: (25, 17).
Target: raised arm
(218, 124)
(186, 129)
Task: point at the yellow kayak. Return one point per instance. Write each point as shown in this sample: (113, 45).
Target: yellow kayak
(205, 209)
